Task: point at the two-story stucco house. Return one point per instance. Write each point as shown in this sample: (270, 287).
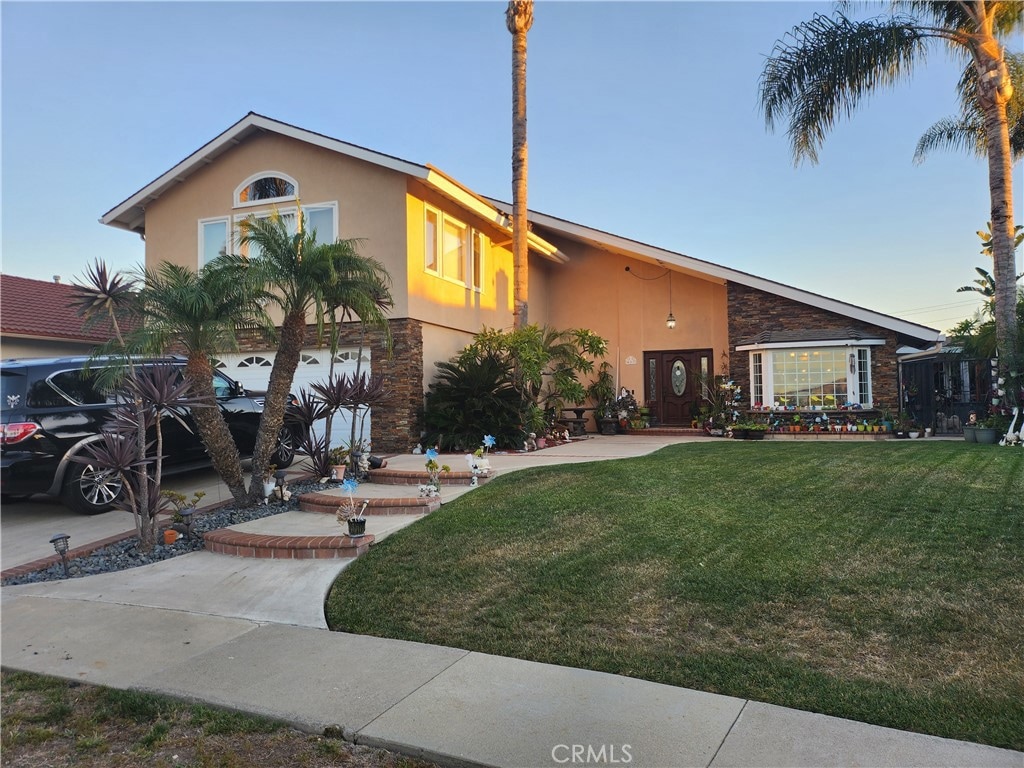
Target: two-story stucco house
(447, 249)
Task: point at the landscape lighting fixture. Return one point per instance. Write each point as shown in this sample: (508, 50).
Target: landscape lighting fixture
(60, 546)
(186, 518)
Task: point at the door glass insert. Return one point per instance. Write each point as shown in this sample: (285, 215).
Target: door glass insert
(678, 378)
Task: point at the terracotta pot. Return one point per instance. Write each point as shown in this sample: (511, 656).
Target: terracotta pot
(170, 536)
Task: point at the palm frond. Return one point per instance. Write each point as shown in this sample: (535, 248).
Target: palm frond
(826, 67)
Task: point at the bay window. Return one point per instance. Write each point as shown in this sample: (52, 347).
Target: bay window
(810, 377)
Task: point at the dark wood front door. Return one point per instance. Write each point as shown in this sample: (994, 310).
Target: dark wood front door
(672, 384)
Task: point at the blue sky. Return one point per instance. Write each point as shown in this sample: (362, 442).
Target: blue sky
(643, 121)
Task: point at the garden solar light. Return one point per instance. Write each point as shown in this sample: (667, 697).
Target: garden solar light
(279, 476)
(186, 518)
(60, 546)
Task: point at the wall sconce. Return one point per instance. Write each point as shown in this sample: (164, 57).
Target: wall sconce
(60, 546)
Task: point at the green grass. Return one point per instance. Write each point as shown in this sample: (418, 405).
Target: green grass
(62, 723)
(882, 582)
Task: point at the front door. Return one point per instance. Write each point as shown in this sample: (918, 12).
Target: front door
(672, 384)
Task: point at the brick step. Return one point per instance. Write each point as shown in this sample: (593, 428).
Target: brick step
(328, 504)
(417, 477)
(276, 547)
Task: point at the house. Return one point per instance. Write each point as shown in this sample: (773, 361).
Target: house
(37, 320)
(447, 249)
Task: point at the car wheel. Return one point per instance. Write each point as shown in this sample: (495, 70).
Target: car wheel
(90, 490)
(286, 445)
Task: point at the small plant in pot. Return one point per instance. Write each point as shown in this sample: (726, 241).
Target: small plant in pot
(602, 392)
(350, 516)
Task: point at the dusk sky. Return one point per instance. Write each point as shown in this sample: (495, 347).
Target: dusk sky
(643, 122)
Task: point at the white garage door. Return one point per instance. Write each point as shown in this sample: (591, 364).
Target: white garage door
(252, 370)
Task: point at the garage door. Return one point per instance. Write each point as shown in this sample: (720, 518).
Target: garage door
(252, 370)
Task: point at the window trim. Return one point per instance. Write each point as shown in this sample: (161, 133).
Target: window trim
(857, 354)
(236, 202)
(202, 240)
(237, 218)
(469, 268)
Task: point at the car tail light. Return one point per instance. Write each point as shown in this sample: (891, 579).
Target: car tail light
(18, 431)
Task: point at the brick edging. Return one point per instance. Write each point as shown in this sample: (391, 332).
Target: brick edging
(276, 547)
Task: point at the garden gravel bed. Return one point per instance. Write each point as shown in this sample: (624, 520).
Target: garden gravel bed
(127, 554)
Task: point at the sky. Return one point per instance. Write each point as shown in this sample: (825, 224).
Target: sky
(643, 122)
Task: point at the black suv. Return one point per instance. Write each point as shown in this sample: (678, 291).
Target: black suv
(50, 410)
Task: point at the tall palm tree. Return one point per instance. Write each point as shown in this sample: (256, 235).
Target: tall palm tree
(200, 311)
(518, 20)
(299, 275)
(826, 66)
(967, 130)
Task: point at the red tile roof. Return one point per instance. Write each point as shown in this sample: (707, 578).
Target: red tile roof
(40, 308)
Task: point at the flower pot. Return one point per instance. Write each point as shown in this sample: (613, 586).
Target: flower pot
(987, 435)
(170, 536)
(356, 528)
(914, 435)
(755, 434)
(740, 434)
(971, 434)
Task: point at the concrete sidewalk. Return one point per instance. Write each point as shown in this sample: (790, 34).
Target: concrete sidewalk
(250, 635)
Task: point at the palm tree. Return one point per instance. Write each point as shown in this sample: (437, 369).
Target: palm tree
(826, 66)
(519, 19)
(200, 311)
(300, 276)
(967, 131)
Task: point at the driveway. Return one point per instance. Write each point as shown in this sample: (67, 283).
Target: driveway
(26, 526)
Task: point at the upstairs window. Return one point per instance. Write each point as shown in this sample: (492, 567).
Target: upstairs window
(452, 250)
(267, 186)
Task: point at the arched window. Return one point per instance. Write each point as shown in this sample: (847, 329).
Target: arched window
(266, 186)
(255, 362)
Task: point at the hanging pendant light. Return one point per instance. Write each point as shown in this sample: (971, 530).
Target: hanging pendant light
(670, 322)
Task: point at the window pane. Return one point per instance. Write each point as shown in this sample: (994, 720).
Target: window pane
(321, 220)
(267, 188)
(810, 378)
(453, 259)
(430, 241)
(215, 241)
(478, 259)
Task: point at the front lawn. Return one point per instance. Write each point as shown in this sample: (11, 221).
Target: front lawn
(882, 582)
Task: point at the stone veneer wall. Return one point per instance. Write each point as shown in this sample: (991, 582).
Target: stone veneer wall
(397, 425)
(752, 311)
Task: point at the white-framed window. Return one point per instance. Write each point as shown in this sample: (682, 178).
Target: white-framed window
(476, 267)
(452, 249)
(214, 235)
(266, 187)
(812, 376)
(320, 217)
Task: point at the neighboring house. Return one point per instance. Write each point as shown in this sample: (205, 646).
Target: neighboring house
(448, 252)
(36, 320)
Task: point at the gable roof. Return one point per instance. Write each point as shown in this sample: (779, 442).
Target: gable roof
(719, 274)
(130, 213)
(41, 310)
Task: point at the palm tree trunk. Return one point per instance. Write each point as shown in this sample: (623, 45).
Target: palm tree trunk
(518, 20)
(213, 429)
(293, 334)
(994, 91)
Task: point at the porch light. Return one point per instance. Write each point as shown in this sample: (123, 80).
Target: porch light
(60, 546)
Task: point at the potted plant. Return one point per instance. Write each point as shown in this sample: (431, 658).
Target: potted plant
(338, 458)
(990, 430)
(348, 515)
(602, 392)
(756, 430)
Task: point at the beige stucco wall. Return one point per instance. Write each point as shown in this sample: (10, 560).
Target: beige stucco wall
(440, 345)
(22, 347)
(594, 291)
(371, 201)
